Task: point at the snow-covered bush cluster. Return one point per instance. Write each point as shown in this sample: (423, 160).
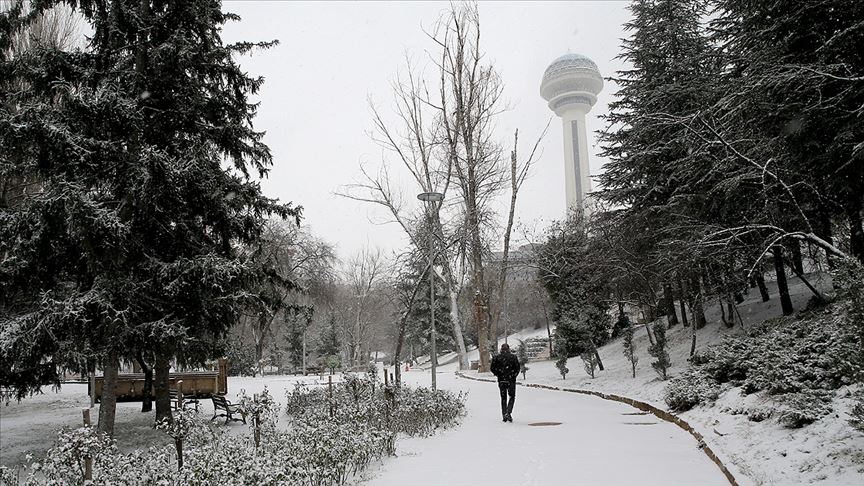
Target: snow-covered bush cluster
(325, 454)
(857, 414)
(65, 461)
(262, 410)
(362, 399)
(849, 281)
(317, 449)
(798, 360)
(691, 388)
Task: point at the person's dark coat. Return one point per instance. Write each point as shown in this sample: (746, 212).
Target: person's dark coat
(505, 366)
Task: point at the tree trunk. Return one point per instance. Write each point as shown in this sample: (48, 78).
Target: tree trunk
(147, 392)
(260, 337)
(823, 230)
(821, 298)
(682, 292)
(502, 276)
(108, 401)
(178, 445)
(797, 258)
(548, 329)
(782, 285)
(453, 294)
(161, 387)
(856, 230)
(699, 312)
(479, 286)
(356, 351)
(760, 282)
(692, 341)
(649, 334)
(482, 327)
(599, 361)
(697, 307)
(671, 317)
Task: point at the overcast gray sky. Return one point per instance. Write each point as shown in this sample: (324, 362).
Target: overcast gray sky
(333, 56)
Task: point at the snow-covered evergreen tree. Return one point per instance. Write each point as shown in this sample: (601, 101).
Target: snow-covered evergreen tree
(572, 272)
(627, 342)
(658, 350)
(329, 340)
(589, 361)
(522, 354)
(561, 364)
(130, 238)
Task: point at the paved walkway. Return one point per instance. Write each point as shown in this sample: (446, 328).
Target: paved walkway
(599, 443)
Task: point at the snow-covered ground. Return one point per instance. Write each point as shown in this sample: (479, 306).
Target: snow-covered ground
(589, 445)
(828, 452)
(597, 443)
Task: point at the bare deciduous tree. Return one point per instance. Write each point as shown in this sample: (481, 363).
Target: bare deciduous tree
(470, 97)
(444, 137)
(301, 266)
(362, 273)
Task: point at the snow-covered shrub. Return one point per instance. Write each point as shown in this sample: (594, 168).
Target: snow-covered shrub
(182, 425)
(800, 360)
(759, 414)
(372, 370)
(857, 414)
(331, 362)
(691, 388)
(406, 410)
(800, 409)
(422, 411)
(64, 461)
(561, 364)
(7, 477)
(316, 450)
(263, 411)
(326, 454)
(849, 282)
(815, 351)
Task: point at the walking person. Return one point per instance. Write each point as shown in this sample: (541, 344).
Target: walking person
(505, 366)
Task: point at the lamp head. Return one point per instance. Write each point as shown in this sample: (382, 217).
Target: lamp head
(430, 196)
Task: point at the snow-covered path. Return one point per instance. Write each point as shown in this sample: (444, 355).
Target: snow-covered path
(599, 443)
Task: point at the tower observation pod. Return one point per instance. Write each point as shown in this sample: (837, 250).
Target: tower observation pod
(570, 85)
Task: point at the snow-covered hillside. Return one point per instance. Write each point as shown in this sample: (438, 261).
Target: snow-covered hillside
(827, 452)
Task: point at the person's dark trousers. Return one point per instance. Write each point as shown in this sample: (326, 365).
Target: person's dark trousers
(507, 388)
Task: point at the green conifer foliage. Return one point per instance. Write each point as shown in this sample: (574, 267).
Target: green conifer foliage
(561, 364)
(627, 341)
(143, 148)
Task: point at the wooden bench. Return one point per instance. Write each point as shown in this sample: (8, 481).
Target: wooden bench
(187, 402)
(228, 409)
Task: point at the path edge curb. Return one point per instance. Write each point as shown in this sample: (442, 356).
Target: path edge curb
(643, 406)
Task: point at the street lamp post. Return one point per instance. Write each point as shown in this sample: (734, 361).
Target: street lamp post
(432, 198)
